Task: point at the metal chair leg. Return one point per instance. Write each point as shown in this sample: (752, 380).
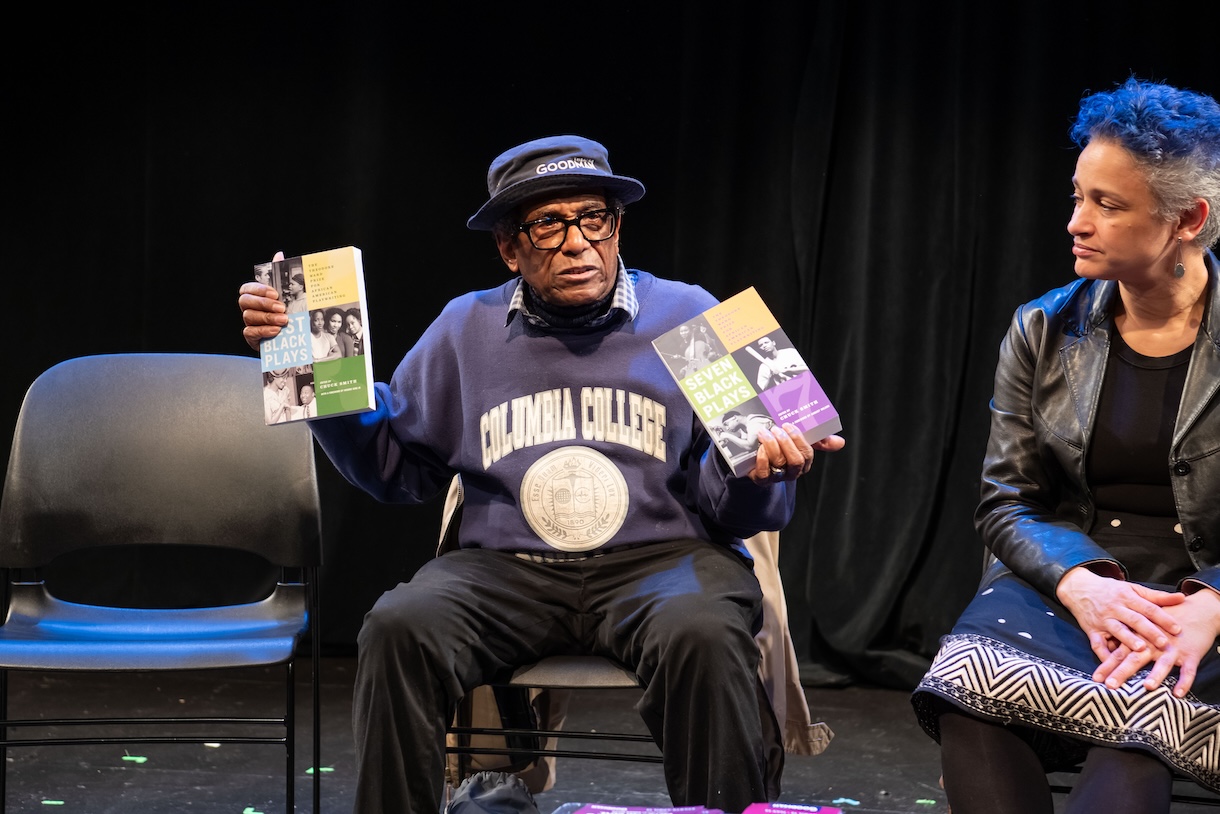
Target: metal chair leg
(290, 738)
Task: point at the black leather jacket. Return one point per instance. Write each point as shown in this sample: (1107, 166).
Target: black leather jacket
(1036, 504)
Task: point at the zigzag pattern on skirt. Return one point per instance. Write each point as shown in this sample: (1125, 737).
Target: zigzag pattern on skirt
(1000, 682)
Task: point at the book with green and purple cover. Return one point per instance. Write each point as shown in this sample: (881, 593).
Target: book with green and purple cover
(741, 373)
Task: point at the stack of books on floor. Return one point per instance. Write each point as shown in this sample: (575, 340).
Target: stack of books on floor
(756, 808)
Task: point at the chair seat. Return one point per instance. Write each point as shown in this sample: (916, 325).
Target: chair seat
(43, 632)
(519, 736)
(573, 672)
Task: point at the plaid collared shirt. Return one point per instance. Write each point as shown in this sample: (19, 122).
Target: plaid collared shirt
(624, 300)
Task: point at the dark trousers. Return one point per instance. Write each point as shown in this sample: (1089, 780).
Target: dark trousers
(682, 614)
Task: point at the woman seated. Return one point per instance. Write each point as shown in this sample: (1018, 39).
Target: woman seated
(1093, 638)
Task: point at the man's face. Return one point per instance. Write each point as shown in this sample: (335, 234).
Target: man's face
(767, 345)
(306, 394)
(577, 272)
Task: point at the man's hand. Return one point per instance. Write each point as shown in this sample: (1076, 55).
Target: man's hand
(785, 455)
(261, 311)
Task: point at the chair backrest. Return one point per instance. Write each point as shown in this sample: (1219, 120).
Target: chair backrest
(451, 517)
(156, 449)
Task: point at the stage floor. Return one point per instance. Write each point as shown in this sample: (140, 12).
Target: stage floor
(879, 761)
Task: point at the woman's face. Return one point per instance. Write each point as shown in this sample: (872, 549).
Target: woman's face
(1115, 235)
(316, 320)
(353, 325)
(335, 323)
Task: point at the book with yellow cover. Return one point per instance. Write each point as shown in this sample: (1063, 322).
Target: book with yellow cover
(741, 374)
(321, 364)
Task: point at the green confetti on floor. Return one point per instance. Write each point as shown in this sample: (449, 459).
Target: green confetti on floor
(135, 759)
(251, 810)
(52, 802)
(323, 770)
(925, 802)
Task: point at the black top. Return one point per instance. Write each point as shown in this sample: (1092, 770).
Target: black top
(1128, 458)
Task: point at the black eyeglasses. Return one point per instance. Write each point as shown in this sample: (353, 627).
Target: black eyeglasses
(550, 232)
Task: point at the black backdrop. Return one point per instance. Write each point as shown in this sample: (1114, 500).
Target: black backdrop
(892, 177)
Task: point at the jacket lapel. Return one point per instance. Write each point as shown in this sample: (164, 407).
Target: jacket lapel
(1084, 358)
(1203, 378)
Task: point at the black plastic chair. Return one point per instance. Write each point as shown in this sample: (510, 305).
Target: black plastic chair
(150, 451)
(1185, 790)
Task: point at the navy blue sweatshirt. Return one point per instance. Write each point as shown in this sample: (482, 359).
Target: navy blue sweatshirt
(565, 440)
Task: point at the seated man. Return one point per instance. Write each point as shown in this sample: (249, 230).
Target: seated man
(597, 516)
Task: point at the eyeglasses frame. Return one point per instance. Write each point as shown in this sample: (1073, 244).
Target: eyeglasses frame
(614, 212)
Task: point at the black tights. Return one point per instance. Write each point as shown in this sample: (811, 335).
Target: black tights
(988, 767)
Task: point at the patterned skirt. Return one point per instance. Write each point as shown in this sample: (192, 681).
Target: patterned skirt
(1019, 658)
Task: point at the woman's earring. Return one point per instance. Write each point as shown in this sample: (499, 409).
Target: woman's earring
(1179, 270)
